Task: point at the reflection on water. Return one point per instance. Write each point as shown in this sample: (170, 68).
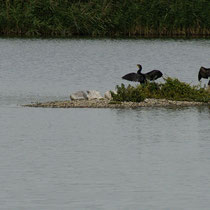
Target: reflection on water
(146, 158)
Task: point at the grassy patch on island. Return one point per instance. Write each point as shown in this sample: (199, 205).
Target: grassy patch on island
(172, 89)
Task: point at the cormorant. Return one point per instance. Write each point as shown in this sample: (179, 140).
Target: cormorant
(204, 73)
(136, 77)
(141, 77)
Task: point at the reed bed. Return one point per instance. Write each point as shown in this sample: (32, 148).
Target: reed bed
(68, 18)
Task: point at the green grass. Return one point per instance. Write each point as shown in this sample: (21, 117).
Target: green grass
(172, 89)
(105, 18)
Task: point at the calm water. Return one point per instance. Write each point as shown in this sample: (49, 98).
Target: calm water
(146, 158)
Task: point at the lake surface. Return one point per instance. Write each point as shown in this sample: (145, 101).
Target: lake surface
(146, 158)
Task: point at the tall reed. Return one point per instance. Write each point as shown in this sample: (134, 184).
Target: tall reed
(105, 17)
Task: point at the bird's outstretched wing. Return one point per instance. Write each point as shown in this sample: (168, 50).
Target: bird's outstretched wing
(153, 75)
(134, 77)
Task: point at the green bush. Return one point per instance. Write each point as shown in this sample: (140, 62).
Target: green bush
(177, 90)
(134, 94)
(172, 89)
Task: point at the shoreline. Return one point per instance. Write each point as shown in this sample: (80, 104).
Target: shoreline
(105, 103)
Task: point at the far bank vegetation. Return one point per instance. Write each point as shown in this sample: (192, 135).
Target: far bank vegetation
(94, 18)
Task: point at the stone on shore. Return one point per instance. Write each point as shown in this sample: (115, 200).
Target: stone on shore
(86, 95)
(79, 95)
(93, 94)
(108, 94)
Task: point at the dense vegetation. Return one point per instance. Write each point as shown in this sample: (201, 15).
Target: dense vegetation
(172, 89)
(105, 17)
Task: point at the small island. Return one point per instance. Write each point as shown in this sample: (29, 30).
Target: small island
(172, 93)
(95, 103)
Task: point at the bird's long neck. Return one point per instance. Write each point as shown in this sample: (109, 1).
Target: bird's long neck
(140, 68)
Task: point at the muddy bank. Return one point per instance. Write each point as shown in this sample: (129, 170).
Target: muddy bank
(105, 103)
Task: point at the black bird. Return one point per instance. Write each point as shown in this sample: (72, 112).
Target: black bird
(153, 75)
(136, 77)
(142, 78)
(204, 73)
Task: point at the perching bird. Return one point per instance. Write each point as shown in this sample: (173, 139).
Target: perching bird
(136, 77)
(152, 75)
(204, 73)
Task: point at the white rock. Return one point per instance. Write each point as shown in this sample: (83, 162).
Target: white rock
(108, 95)
(93, 94)
(79, 95)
